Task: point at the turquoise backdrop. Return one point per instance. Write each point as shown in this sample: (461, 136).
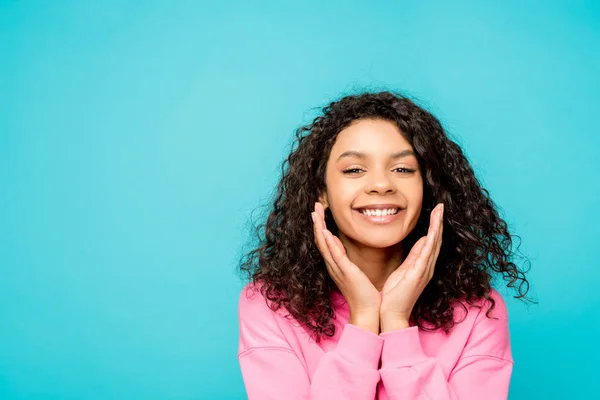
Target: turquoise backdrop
(136, 138)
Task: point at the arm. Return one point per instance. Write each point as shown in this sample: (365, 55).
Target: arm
(271, 369)
(482, 372)
(349, 372)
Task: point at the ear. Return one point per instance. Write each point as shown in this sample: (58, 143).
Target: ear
(323, 200)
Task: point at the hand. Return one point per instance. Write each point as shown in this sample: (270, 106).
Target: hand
(404, 286)
(364, 300)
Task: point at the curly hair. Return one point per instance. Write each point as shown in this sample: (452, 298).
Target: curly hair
(290, 270)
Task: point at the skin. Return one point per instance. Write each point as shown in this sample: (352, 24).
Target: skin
(367, 261)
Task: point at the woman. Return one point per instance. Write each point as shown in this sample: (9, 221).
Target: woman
(375, 266)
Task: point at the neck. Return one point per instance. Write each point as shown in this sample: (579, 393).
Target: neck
(377, 263)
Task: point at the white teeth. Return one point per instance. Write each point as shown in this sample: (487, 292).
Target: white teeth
(379, 213)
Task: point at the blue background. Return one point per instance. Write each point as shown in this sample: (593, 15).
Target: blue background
(137, 138)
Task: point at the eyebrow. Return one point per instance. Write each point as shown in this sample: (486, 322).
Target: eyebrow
(358, 154)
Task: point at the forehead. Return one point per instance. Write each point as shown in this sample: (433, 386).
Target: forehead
(374, 137)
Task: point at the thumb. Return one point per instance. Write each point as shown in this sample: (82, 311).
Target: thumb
(415, 251)
(398, 274)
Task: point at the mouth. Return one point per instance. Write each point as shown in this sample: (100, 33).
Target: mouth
(379, 216)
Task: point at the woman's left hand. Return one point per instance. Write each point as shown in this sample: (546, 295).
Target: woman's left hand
(404, 286)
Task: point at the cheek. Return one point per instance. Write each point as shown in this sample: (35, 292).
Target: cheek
(341, 209)
(413, 191)
(415, 202)
(343, 196)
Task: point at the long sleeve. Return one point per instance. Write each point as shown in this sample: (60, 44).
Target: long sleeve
(271, 369)
(482, 372)
(347, 373)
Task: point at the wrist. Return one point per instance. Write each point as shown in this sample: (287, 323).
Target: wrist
(368, 322)
(390, 322)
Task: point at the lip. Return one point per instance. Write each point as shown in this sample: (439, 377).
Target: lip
(378, 206)
(382, 219)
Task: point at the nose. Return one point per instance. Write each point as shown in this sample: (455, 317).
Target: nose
(380, 182)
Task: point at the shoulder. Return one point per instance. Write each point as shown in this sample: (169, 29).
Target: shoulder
(259, 325)
(500, 310)
(251, 300)
(478, 310)
(252, 304)
(490, 334)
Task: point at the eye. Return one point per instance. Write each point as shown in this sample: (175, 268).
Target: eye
(407, 170)
(352, 170)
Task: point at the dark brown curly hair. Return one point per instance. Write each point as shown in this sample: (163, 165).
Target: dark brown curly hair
(288, 267)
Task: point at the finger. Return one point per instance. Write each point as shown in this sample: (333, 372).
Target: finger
(415, 251)
(439, 230)
(336, 241)
(431, 234)
(317, 213)
(320, 215)
(433, 219)
(314, 225)
(318, 222)
(333, 255)
(434, 225)
(316, 230)
(324, 250)
(438, 243)
(339, 255)
(408, 263)
(320, 210)
(335, 251)
(321, 220)
(422, 262)
(320, 226)
(339, 243)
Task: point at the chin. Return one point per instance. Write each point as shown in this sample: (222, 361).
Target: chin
(380, 244)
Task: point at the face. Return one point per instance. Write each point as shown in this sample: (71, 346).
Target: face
(374, 187)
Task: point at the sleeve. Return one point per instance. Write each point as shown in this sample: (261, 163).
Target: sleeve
(272, 370)
(482, 372)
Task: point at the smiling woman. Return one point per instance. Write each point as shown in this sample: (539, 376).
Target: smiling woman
(375, 264)
(365, 190)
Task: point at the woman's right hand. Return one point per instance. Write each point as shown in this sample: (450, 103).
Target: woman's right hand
(364, 301)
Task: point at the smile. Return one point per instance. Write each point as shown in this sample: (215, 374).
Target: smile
(378, 212)
(380, 216)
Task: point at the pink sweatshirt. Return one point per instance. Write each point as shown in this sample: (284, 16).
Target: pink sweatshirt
(278, 361)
